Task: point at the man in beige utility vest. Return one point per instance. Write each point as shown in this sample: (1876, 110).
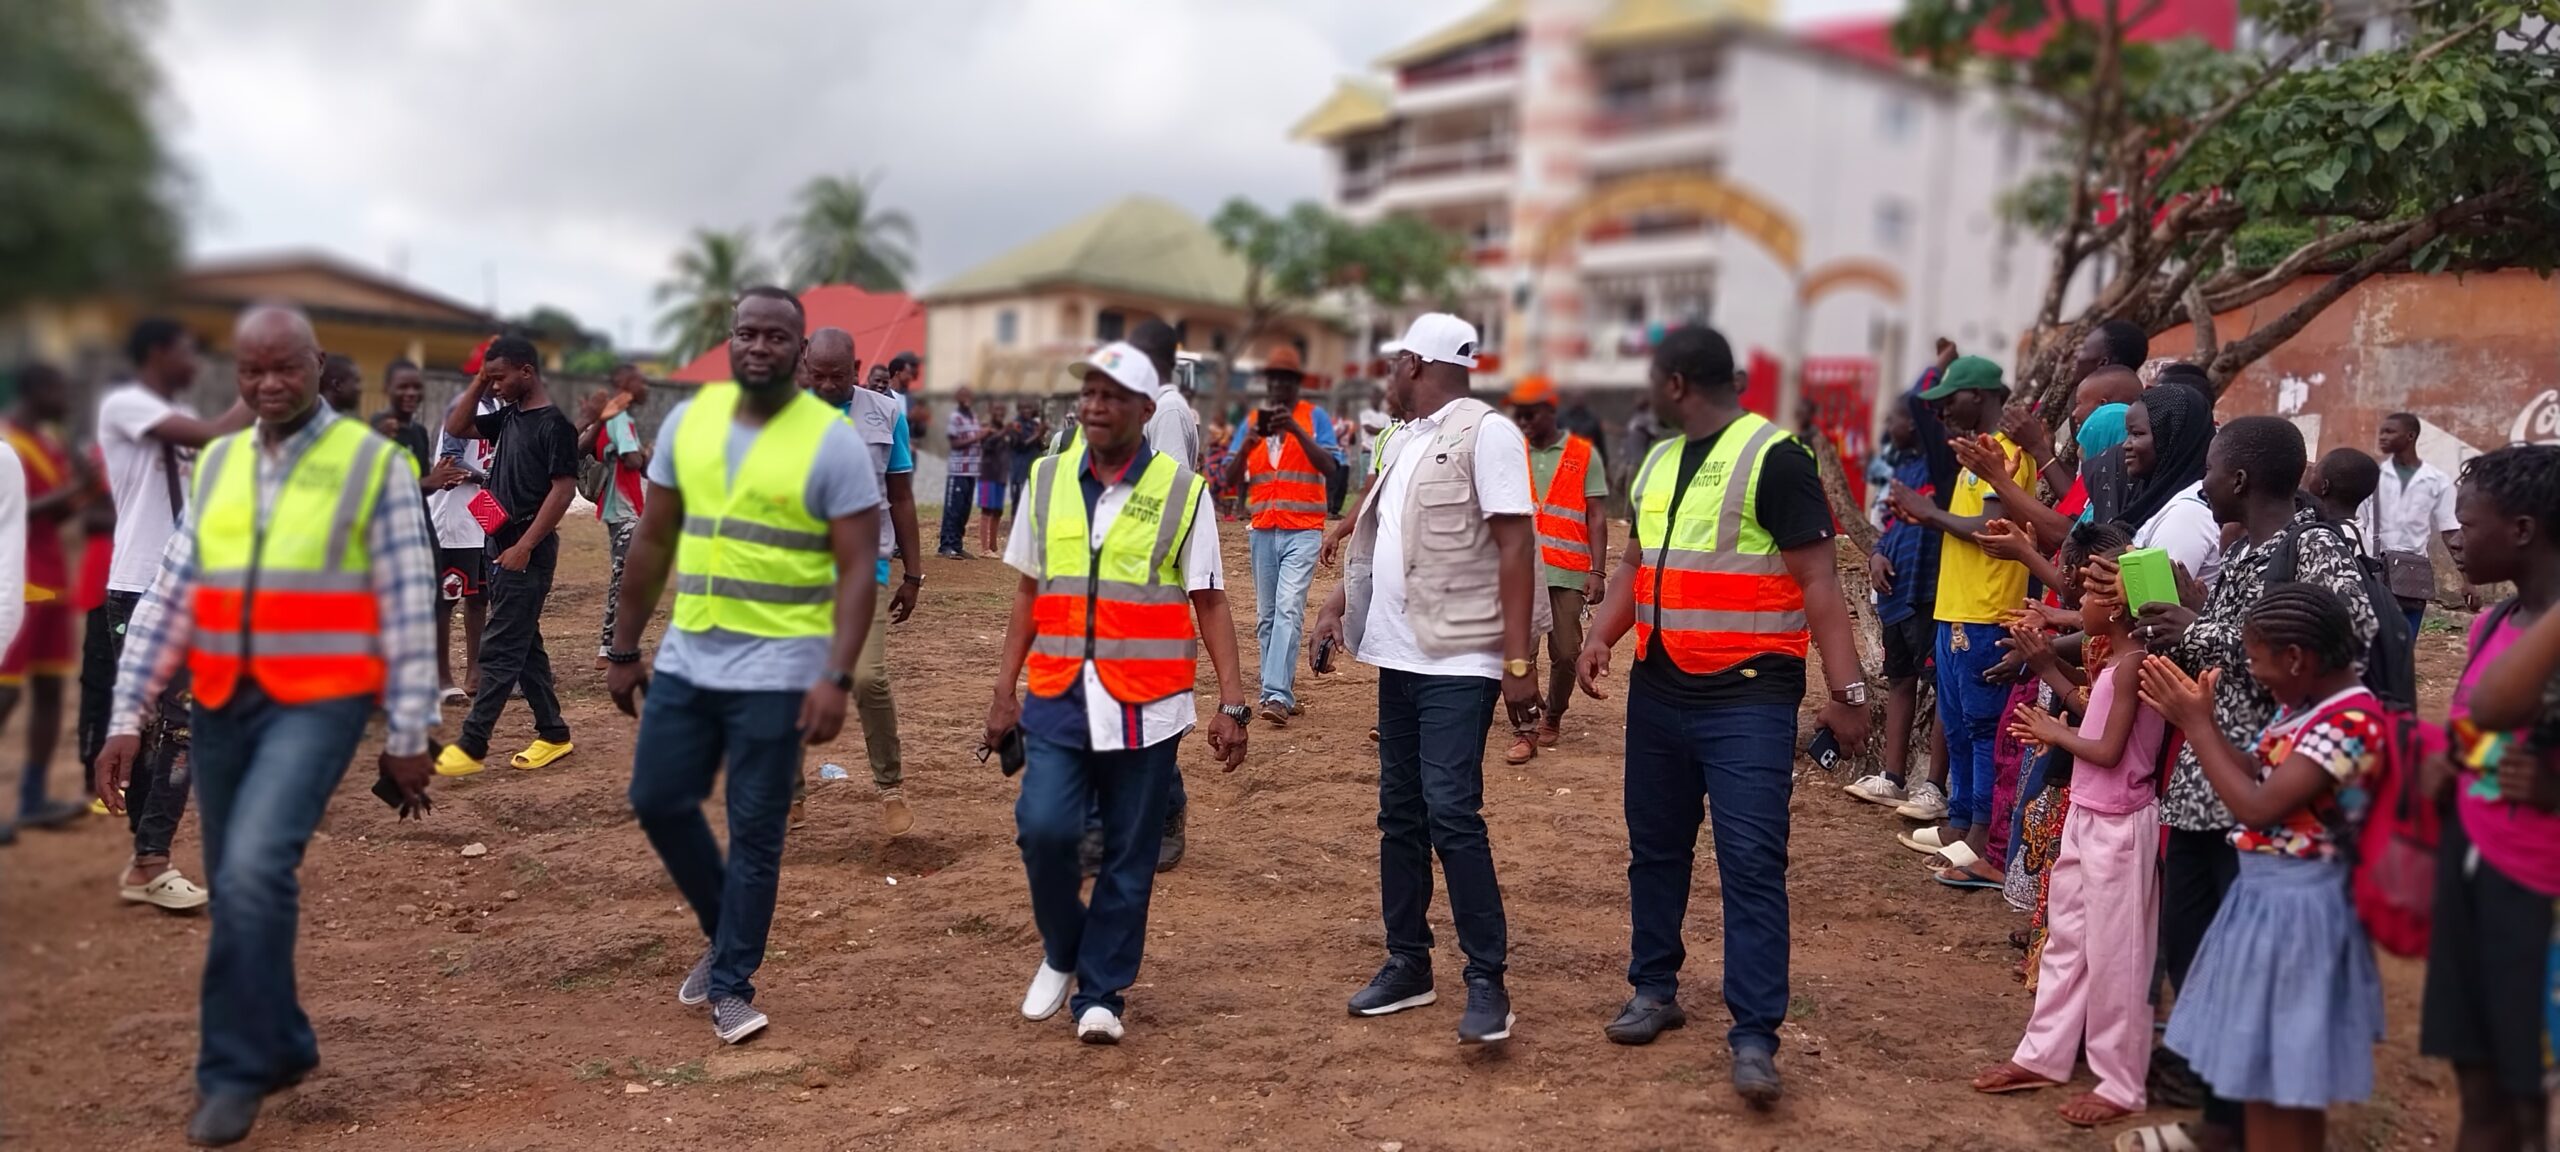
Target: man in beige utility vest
(1447, 608)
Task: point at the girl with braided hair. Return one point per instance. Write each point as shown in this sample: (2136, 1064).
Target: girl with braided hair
(2283, 1005)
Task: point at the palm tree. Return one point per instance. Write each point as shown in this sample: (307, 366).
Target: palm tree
(842, 236)
(704, 287)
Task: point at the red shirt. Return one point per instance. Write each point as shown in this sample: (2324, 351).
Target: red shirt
(48, 469)
(97, 555)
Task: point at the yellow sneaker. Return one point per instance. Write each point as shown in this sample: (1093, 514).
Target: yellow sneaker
(541, 752)
(455, 762)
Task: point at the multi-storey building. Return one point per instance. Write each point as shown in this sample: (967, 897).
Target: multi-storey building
(1620, 166)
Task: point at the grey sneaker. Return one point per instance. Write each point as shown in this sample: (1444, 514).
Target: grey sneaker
(1927, 802)
(697, 983)
(735, 1019)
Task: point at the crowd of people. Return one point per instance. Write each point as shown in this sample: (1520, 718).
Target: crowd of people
(2171, 658)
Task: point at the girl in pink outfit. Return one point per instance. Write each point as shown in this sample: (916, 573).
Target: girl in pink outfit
(2093, 983)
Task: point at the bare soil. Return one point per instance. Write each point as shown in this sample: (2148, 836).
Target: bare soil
(524, 999)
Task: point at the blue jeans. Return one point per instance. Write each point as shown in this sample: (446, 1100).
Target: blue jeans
(2417, 614)
(1735, 765)
(1969, 710)
(959, 494)
(1284, 566)
(263, 773)
(687, 731)
(1103, 943)
(1431, 732)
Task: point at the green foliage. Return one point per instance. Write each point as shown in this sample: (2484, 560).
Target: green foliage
(1299, 255)
(88, 197)
(592, 360)
(703, 287)
(843, 236)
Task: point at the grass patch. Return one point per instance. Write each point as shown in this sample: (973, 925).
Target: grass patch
(594, 1070)
(1801, 1008)
(977, 925)
(530, 873)
(581, 982)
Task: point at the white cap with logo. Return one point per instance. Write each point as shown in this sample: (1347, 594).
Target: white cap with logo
(1439, 337)
(1123, 364)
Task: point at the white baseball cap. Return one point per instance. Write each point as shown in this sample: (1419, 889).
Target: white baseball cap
(1124, 364)
(1439, 337)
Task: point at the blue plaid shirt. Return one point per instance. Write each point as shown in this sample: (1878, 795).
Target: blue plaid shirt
(1913, 550)
(404, 585)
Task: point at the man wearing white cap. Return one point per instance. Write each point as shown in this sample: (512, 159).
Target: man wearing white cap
(1447, 607)
(1121, 587)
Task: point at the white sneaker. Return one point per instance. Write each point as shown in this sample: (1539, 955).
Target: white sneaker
(1098, 1026)
(1875, 789)
(1048, 993)
(1928, 802)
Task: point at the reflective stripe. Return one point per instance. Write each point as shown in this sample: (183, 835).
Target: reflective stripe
(752, 533)
(1115, 591)
(209, 465)
(351, 500)
(1727, 620)
(1576, 547)
(1104, 648)
(755, 590)
(227, 643)
(1286, 506)
(1738, 485)
(1740, 563)
(285, 580)
(1560, 512)
(1289, 476)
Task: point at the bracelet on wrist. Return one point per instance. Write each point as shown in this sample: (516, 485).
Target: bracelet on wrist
(623, 657)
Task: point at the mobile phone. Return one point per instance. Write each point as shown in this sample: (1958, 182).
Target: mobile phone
(1269, 420)
(389, 793)
(1825, 748)
(1323, 661)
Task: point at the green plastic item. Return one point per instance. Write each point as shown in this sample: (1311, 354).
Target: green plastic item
(2149, 578)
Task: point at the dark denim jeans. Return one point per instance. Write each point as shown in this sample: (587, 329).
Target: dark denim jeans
(156, 797)
(1101, 943)
(1431, 732)
(264, 772)
(512, 658)
(1969, 710)
(959, 495)
(686, 731)
(1736, 766)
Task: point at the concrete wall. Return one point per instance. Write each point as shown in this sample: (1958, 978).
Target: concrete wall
(2476, 357)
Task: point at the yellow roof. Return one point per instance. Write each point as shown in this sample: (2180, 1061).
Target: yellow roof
(1629, 23)
(1353, 107)
(1493, 20)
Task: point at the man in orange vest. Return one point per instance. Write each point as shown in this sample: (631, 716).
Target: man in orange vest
(1283, 456)
(1573, 542)
(1727, 577)
(1121, 587)
(300, 594)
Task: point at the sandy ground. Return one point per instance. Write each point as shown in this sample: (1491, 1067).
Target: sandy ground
(524, 999)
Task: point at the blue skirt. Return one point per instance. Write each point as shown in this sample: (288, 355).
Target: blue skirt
(2283, 1005)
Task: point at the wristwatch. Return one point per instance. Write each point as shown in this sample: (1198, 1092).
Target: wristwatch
(1854, 695)
(1517, 667)
(1242, 714)
(843, 681)
(915, 578)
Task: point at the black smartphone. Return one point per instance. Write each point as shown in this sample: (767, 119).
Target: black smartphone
(1323, 661)
(1011, 753)
(1825, 748)
(1269, 421)
(389, 793)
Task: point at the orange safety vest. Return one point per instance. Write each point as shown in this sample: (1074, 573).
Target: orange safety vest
(289, 602)
(1290, 494)
(1710, 581)
(1122, 605)
(1564, 540)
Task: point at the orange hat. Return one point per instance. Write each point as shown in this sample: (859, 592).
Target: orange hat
(1284, 359)
(1532, 390)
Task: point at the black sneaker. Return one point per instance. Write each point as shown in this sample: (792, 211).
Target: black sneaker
(735, 1019)
(1176, 838)
(1400, 984)
(1488, 1017)
(1645, 1018)
(1755, 1076)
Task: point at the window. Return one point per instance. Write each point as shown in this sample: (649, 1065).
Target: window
(1109, 325)
(1006, 328)
(1893, 224)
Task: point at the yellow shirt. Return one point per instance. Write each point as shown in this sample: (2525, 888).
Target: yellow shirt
(1975, 587)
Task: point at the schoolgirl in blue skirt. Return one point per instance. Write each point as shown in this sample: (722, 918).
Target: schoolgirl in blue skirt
(2283, 1005)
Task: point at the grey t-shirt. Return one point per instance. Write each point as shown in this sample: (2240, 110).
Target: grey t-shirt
(840, 485)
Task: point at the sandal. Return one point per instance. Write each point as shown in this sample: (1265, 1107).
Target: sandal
(2157, 1138)
(1930, 839)
(2006, 1077)
(169, 891)
(2089, 1110)
(1523, 750)
(540, 753)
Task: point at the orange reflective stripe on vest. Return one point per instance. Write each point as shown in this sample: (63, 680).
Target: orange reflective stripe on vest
(1564, 540)
(1290, 494)
(1120, 605)
(288, 602)
(1711, 584)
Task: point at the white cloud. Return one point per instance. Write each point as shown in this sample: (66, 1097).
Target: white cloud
(563, 149)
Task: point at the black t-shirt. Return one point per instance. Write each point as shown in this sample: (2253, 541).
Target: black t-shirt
(1791, 506)
(413, 436)
(534, 446)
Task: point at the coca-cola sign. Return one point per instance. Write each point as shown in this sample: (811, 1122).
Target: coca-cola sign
(2539, 422)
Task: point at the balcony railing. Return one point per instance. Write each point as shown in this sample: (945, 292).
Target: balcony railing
(1363, 183)
(1494, 62)
(1480, 155)
(1659, 110)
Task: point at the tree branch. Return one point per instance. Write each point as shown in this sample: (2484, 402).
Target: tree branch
(2207, 345)
(2223, 298)
(2211, 120)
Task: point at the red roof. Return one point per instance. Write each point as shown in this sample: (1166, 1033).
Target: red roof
(883, 324)
(1871, 37)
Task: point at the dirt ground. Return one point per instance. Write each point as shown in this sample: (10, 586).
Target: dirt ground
(524, 999)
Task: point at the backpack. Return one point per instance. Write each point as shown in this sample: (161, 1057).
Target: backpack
(595, 473)
(2391, 663)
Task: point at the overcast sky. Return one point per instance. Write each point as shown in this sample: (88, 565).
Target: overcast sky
(522, 152)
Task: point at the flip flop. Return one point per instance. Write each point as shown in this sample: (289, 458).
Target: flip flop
(2003, 1078)
(2157, 1138)
(1964, 878)
(540, 753)
(2111, 1113)
(168, 891)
